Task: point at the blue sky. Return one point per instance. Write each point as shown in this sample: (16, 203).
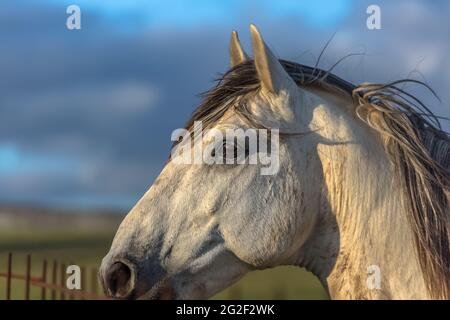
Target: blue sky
(14, 162)
(197, 13)
(86, 116)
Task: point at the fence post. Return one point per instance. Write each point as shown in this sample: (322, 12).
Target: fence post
(71, 295)
(58, 288)
(54, 274)
(94, 281)
(28, 278)
(83, 282)
(63, 281)
(44, 280)
(8, 277)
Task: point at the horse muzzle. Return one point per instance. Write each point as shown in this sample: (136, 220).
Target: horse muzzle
(123, 279)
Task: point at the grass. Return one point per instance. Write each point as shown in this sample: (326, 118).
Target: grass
(86, 249)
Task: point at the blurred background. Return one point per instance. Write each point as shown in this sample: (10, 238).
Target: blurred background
(86, 115)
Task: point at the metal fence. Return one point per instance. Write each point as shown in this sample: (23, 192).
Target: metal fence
(51, 281)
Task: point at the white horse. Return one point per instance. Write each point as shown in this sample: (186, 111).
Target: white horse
(361, 198)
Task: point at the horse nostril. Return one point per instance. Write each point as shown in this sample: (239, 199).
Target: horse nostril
(118, 280)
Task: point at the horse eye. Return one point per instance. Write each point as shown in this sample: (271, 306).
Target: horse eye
(230, 150)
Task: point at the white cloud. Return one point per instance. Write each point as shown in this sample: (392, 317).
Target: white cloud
(99, 99)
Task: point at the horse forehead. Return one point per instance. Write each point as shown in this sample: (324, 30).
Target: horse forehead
(231, 120)
(296, 100)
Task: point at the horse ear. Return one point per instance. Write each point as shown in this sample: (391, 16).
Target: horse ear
(271, 73)
(237, 54)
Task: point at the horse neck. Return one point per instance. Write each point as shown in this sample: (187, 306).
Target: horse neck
(363, 224)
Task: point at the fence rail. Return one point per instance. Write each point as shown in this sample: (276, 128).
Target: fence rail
(56, 287)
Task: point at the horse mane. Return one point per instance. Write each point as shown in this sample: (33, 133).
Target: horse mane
(420, 152)
(412, 137)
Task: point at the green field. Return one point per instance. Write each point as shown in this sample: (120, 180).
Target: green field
(86, 249)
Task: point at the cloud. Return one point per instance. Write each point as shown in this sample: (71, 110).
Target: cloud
(98, 99)
(89, 113)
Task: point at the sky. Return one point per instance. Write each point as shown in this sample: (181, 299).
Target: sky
(86, 115)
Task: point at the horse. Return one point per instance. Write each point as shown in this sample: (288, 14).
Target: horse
(362, 191)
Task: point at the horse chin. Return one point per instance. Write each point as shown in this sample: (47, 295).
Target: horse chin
(163, 290)
(169, 293)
